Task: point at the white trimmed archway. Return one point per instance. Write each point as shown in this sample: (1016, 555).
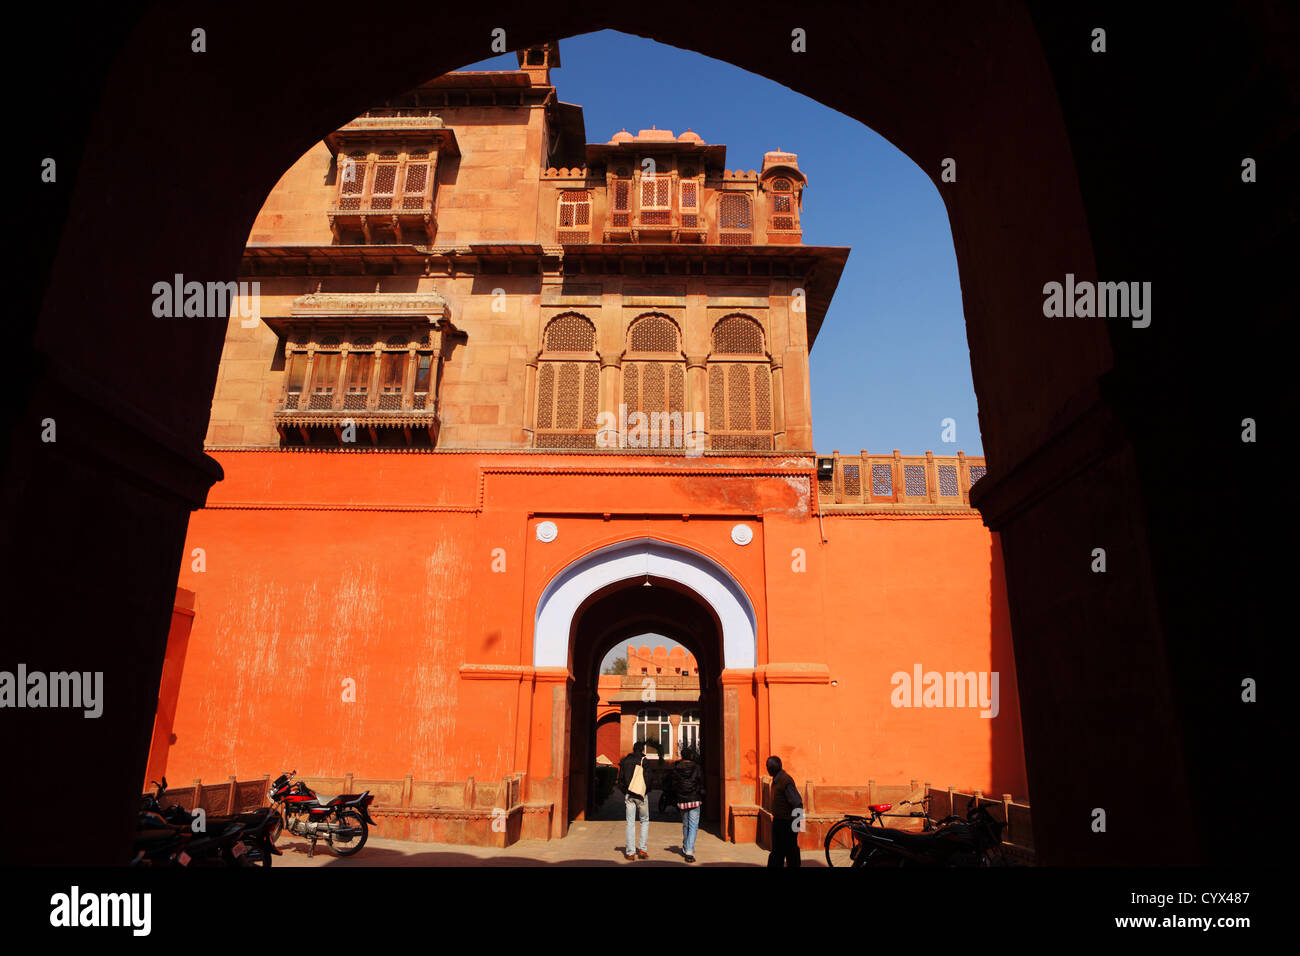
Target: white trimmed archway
(640, 558)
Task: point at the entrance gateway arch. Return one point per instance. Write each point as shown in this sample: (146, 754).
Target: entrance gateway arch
(634, 586)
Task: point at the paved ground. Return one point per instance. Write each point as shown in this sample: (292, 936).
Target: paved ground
(597, 842)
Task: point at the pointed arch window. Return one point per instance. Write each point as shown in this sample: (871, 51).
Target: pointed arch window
(568, 384)
(740, 386)
(654, 382)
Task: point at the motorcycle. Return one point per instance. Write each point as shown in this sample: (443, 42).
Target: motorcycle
(241, 839)
(164, 844)
(974, 841)
(343, 822)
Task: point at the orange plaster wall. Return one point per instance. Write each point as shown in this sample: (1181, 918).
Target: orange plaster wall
(899, 591)
(295, 599)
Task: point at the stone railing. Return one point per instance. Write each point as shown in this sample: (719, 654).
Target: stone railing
(925, 481)
(826, 804)
(463, 811)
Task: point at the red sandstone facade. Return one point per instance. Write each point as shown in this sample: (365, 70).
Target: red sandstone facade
(513, 399)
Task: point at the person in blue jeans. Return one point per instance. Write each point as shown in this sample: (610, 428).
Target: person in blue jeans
(687, 788)
(630, 781)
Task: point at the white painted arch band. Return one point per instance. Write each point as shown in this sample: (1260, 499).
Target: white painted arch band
(634, 560)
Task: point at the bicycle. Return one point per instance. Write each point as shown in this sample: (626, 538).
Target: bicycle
(842, 844)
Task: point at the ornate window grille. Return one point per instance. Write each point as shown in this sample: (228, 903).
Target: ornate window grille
(573, 219)
(735, 219)
(740, 386)
(568, 384)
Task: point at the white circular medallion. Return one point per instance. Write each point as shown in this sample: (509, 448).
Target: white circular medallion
(546, 531)
(742, 534)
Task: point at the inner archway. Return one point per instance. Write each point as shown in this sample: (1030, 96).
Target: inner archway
(623, 613)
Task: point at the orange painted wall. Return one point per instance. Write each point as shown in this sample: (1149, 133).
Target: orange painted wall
(321, 567)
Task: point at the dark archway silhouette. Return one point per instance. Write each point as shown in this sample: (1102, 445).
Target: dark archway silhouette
(1129, 690)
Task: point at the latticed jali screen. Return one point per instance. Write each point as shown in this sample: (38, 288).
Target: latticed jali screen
(381, 193)
(573, 224)
(916, 483)
(416, 179)
(740, 393)
(690, 205)
(735, 219)
(620, 216)
(568, 392)
(570, 333)
(568, 395)
(653, 333)
(352, 181)
(660, 385)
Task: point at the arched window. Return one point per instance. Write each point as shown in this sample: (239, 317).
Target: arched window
(740, 386)
(653, 727)
(568, 384)
(738, 335)
(569, 333)
(654, 383)
(653, 333)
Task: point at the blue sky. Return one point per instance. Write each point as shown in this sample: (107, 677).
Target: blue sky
(891, 360)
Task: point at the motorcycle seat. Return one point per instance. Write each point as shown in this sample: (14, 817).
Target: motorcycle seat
(925, 841)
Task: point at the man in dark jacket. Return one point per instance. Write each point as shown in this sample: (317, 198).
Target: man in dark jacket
(687, 787)
(787, 816)
(634, 804)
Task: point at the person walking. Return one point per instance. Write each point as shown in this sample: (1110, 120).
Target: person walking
(631, 780)
(785, 830)
(687, 782)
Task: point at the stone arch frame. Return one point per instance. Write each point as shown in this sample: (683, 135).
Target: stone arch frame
(1035, 381)
(629, 560)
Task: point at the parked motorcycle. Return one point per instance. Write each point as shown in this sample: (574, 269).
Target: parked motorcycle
(162, 843)
(343, 822)
(241, 839)
(974, 841)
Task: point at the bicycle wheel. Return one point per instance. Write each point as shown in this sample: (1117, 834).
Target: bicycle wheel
(840, 844)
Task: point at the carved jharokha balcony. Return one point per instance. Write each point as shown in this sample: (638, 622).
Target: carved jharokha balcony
(376, 420)
(362, 370)
(386, 167)
(926, 482)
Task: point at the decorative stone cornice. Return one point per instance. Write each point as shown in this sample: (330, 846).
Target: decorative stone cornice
(353, 304)
(793, 674)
